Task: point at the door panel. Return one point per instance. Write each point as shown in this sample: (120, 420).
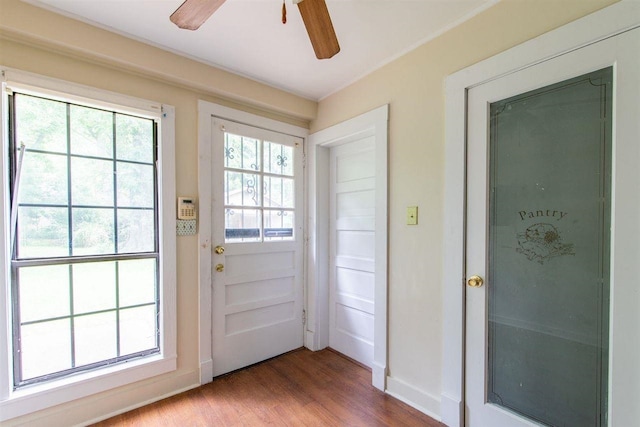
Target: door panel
(257, 200)
(352, 224)
(541, 156)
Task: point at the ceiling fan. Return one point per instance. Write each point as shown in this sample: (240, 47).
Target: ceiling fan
(193, 13)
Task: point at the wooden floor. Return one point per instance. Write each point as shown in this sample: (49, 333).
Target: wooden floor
(301, 388)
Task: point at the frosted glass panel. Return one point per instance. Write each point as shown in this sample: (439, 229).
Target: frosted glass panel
(548, 284)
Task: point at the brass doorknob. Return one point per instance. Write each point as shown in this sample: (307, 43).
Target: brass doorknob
(219, 250)
(475, 281)
(220, 268)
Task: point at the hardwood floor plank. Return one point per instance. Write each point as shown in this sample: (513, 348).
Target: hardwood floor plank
(300, 388)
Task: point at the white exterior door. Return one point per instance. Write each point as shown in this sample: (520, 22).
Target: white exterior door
(553, 219)
(353, 249)
(257, 235)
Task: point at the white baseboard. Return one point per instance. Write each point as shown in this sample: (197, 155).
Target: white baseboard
(206, 371)
(310, 340)
(379, 376)
(419, 399)
(451, 409)
(139, 405)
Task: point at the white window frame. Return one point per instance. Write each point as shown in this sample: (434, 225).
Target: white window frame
(37, 397)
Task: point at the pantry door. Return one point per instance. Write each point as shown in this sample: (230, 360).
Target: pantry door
(553, 218)
(257, 239)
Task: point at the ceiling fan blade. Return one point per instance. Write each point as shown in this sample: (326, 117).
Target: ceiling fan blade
(193, 13)
(318, 23)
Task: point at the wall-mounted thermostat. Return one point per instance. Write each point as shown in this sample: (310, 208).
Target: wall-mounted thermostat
(186, 208)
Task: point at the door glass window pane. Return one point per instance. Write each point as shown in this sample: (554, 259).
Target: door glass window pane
(278, 192)
(278, 225)
(242, 189)
(269, 191)
(241, 152)
(278, 159)
(243, 225)
(548, 284)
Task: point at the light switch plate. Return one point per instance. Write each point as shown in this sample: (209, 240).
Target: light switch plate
(412, 215)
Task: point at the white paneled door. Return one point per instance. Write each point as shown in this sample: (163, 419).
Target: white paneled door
(257, 237)
(352, 248)
(553, 218)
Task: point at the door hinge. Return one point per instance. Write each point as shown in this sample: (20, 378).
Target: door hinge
(304, 317)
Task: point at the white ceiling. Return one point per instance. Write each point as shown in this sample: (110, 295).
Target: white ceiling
(247, 37)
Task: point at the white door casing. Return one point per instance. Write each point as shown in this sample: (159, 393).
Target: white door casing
(256, 346)
(613, 20)
(623, 52)
(374, 124)
(352, 249)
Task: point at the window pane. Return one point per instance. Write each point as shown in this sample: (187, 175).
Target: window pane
(241, 189)
(278, 225)
(278, 192)
(135, 185)
(94, 287)
(45, 348)
(242, 225)
(134, 138)
(136, 230)
(93, 231)
(241, 152)
(44, 292)
(88, 188)
(43, 179)
(136, 282)
(41, 124)
(91, 132)
(138, 329)
(278, 159)
(91, 182)
(96, 338)
(42, 232)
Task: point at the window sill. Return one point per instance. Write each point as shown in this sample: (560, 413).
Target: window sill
(34, 398)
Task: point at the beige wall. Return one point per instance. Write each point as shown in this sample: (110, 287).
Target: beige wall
(413, 85)
(35, 40)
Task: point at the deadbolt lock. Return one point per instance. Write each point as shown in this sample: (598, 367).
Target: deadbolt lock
(475, 281)
(219, 250)
(220, 268)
